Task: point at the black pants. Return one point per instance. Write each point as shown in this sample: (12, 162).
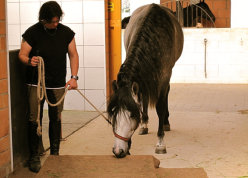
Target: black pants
(54, 114)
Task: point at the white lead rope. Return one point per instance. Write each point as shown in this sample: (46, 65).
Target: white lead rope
(93, 106)
(41, 92)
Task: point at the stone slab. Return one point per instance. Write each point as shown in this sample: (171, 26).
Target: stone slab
(138, 166)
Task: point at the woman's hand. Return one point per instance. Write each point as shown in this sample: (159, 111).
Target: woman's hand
(33, 61)
(72, 83)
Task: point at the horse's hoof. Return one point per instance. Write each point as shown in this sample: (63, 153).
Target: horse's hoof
(166, 127)
(143, 131)
(160, 150)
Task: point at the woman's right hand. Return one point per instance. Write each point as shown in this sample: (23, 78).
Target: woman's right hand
(33, 61)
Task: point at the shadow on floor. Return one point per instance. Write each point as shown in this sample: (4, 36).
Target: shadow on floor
(72, 121)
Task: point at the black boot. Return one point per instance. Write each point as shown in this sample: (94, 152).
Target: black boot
(54, 135)
(41, 149)
(34, 161)
(34, 164)
(54, 147)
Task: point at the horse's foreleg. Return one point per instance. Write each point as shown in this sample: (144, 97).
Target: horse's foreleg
(162, 116)
(129, 146)
(144, 120)
(160, 147)
(166, 125)
(143, 129)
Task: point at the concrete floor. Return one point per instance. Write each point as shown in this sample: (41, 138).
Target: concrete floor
(71, 122)
(209, 125)
(209, 129)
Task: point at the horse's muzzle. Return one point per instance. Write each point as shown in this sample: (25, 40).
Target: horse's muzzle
(119, 154)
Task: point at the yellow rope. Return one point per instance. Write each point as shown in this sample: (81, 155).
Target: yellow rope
(93, 106)
(41, 92)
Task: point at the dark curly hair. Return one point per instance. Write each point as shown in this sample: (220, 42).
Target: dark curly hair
(50, 10)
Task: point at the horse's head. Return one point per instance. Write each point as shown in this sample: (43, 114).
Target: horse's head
(124, 111)
(207, 10)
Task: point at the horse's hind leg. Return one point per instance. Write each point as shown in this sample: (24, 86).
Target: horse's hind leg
(144, 129)
(162, 115)
(166, 125)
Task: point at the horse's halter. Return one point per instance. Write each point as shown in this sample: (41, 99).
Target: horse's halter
(123, 138)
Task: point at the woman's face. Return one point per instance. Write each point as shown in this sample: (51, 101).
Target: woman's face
(53, 23)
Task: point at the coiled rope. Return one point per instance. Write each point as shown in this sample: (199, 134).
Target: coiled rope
(41, 93)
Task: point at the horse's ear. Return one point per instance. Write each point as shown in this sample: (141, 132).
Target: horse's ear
(114, 85)
(135, 88)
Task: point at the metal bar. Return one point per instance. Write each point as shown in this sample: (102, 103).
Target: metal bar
(187, 14)
(192, 14)
(191, 11)
(182, 13)
(205, 57)
(177, 11)
(196, 15)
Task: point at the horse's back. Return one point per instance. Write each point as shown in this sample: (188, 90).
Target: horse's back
(161, 24)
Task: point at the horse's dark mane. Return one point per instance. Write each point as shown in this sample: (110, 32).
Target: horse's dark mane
(121, 102)
(153, 41)
(145, 51)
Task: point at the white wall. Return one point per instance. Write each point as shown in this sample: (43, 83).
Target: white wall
(226, 52)
(239, 14)
(227, 49)
(226, 56)
(86, 19)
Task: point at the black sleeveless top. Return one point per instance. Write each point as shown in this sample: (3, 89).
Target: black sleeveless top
(52, 46)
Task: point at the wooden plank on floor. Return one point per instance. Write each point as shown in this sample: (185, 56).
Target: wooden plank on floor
(138, 166)
(98, 166)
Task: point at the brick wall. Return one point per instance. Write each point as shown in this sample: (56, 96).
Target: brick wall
(4, 109)
(221, 10)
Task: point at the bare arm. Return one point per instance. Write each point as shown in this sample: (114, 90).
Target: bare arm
(24, 54)
(74, 63)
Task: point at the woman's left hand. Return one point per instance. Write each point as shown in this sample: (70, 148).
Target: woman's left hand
(72, 84)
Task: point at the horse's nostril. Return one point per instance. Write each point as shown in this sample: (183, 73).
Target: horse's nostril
(119, 154)
(115, 151)
(122, 154)
(121, 151)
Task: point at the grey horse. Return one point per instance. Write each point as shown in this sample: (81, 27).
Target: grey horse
(153, 41)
